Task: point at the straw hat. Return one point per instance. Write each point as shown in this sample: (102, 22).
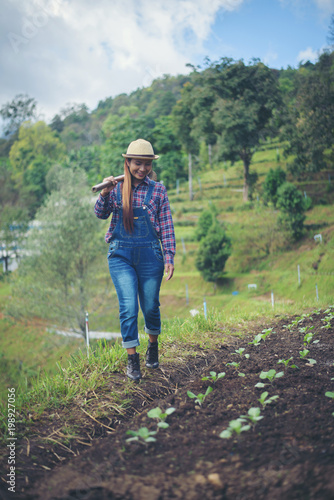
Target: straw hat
(141, 150)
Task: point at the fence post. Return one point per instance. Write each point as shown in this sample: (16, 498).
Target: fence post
(87, 334)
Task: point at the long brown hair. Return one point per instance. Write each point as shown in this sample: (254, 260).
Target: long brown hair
(127, 200)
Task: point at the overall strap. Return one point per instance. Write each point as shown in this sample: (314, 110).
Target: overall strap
(149, 192)
(118, 195)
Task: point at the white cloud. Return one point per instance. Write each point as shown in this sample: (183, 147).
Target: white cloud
(61, 51)
(308, 55)
(326, 6)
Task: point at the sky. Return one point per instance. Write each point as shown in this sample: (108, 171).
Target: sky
(62, 52)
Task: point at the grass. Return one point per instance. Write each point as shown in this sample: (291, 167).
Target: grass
(51, 371)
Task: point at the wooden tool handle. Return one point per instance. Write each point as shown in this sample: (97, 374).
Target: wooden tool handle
(102, 185)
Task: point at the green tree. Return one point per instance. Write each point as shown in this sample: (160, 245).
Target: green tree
(55, 278)
(19, 110)
(274, 179)
(171, 164)
(310, 125)
(205, 221)
(247, 99)
(183, 117)
(291, 203)
(118, 131)
(31, 156)
(213, 252)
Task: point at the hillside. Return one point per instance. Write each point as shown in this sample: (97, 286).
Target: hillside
(78, 408)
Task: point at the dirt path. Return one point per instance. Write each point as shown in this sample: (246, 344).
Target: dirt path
(288, 454)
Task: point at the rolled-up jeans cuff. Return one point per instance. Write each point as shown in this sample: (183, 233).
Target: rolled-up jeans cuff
(152, 332)
(130, 343)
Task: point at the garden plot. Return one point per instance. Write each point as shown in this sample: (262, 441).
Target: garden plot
(264, 431)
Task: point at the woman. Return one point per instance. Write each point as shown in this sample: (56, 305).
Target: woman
(141, 219)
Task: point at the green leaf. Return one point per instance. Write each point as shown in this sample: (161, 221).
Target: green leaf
(154, 413)
(226, 434)
(169, 411)
(329, 394)
(163, 425)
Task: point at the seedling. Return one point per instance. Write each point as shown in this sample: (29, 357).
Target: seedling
(257, 339)
(327, 319)
(329, 394)
(304, 353)
(266, 332)
(254, 415)
(200, 398)
(271, 375)
(143, 435)
(236, 426)
(304, 329)
(214, 377)
(265, 401)
(236, 366)
(286, 362)
(157, 413)
(240, 351)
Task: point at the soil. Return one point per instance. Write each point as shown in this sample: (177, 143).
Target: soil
(288, 454)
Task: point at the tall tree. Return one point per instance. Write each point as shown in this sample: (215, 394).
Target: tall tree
(55, 278)
(31, 156)
(247, 97)
(19, 110)
(311, 120)
(183, 117)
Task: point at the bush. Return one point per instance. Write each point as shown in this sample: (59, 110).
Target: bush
(213, 253)
(273, 181)
(292, 205)
(205, 221)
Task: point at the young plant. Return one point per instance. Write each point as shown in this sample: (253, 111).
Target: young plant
(304, 353)
(271, 375)
(304, 329)
(330, 394)
(200, 398)
(286, 362)
(214, 377)
(143, 435)
(236, 426)
(240, 351)
(159, 415)
(327, 319)
(254, 415)
(265, 401)
(257, 339)
(236, 366)
(266, 332)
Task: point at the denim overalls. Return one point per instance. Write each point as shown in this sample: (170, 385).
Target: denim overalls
(136, 266)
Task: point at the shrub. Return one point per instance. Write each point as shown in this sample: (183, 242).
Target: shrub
(273, 181)
(213, 252)
(291, 203)
(204, 223)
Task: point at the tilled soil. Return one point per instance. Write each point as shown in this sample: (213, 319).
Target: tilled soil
(288, 454)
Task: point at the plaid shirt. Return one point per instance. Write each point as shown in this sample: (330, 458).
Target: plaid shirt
(158, 210)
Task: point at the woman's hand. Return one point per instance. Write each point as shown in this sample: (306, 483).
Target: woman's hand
(105, 191)
(169, 270)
